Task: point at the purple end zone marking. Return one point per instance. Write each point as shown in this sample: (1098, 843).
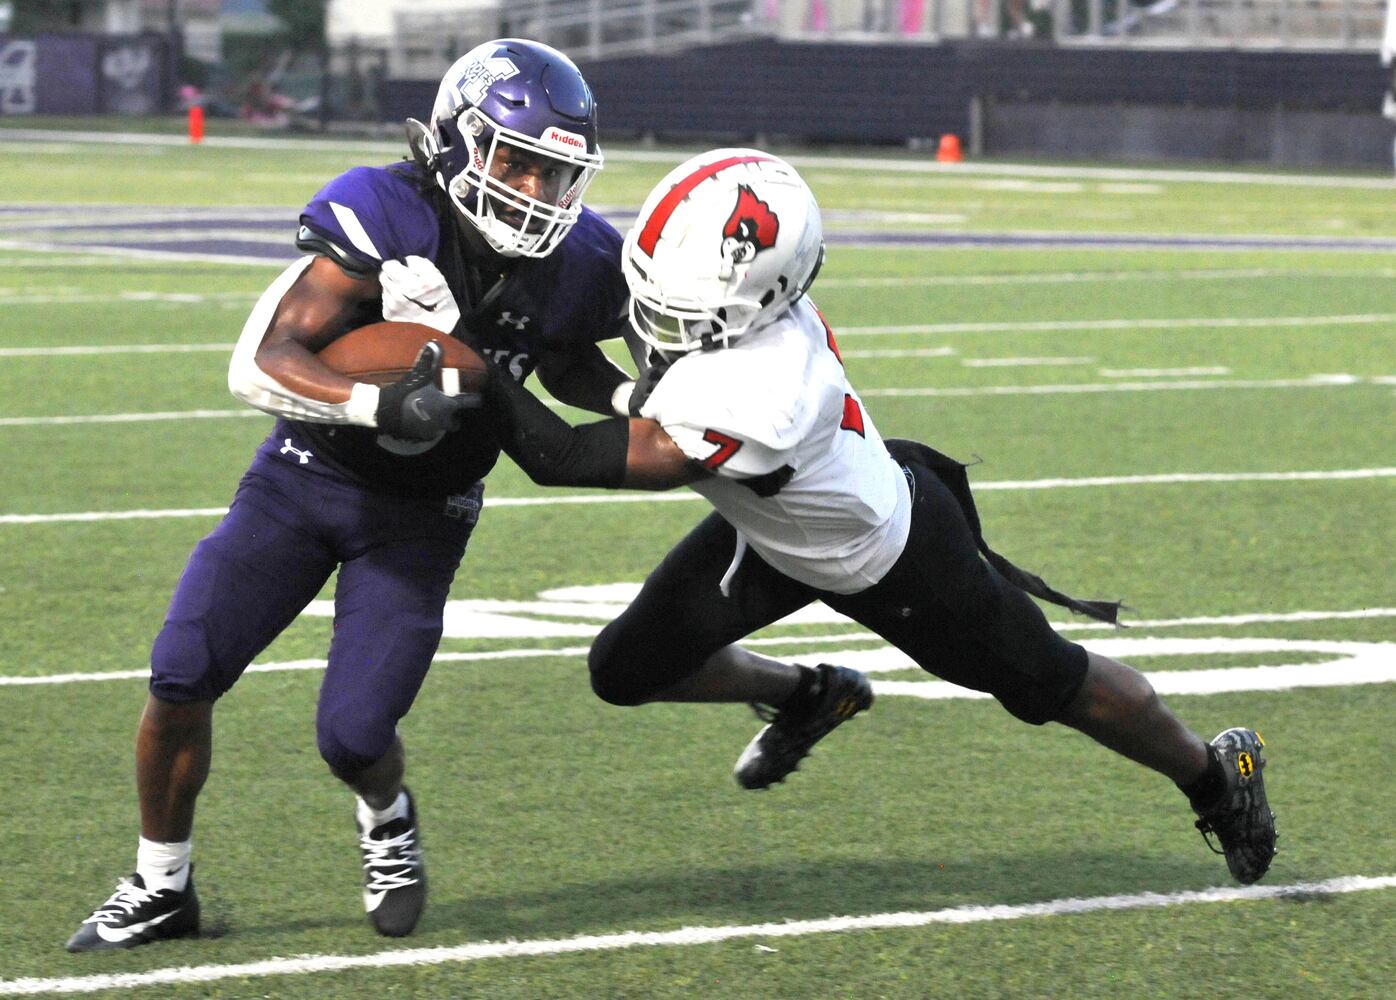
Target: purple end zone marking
(142, 225)
(281, 250)
(1115, 240)
(279, 246)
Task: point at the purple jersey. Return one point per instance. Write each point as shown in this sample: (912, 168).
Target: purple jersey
(559, 304)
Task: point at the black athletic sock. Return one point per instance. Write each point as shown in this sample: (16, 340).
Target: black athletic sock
(1209, 788)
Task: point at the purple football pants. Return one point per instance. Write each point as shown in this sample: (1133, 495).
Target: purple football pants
(287, 530)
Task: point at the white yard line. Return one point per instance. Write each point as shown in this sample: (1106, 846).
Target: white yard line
(1076, 277)
(687, 937)
(113, 515)
(685, 496)
(1180, 323)
(1184, 477)
(61, 263)
(130, 418)
(1162, 372)
(142, 515)
(221, 227)
(1191, 681)
(102, 349)
(926, 352)
(71, 216)
(136, 418)
(124, 253)
(79, 350)
(1311, 382)
(1251, 619)
(1375, 665)
(1023, 362)
(228, 299)
(1032, 326)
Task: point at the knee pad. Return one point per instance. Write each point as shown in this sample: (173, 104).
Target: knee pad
(344, 760)
(613, 675)
(371, 683)
(182, 667)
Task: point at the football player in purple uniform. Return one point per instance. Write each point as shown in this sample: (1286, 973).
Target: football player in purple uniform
(481, 234)
(747, 402)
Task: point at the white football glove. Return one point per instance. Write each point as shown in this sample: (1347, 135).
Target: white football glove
(414, 291)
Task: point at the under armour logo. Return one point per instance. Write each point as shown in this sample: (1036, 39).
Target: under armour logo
(289, 449)
(507, 318)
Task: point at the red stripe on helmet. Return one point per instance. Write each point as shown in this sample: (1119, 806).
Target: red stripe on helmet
(649, 236)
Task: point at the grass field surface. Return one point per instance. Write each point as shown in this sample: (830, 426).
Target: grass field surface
(1180, 390)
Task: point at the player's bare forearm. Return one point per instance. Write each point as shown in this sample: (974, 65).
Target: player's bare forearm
(312, 313)
(653, 461)
(587, 379)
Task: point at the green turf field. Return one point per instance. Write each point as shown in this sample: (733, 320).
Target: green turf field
(1209, 433)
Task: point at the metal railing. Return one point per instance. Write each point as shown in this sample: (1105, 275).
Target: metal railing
(592, 28)
(424, 41)
(1307, 24)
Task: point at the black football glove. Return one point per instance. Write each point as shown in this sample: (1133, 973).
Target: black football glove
(413, 407)
(644, 385)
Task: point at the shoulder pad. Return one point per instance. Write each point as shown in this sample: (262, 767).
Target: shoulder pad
(310, 240)
(756, 388)
(368, 215)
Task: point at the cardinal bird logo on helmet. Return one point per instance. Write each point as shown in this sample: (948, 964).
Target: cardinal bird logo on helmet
(751, 228)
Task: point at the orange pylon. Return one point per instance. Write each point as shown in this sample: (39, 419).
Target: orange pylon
(949, 151)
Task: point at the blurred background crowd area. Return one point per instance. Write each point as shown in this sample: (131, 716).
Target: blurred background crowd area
(1288, 82)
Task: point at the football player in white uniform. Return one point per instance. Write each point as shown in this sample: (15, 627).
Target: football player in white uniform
(1388, 60)
(746, 401)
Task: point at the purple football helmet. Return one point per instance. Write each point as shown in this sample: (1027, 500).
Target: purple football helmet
(505, 108)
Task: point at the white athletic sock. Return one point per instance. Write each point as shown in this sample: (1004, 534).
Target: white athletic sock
(163, 866)
(371, 818)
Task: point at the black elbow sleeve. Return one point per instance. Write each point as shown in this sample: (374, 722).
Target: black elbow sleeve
(589, 455)
(551, 451)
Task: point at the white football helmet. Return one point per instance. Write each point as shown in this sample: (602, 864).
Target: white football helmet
(724, 244)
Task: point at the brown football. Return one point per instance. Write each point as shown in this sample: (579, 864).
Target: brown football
(383, 352)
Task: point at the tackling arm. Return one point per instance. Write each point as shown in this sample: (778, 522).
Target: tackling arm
(619, 453)
(587, 379)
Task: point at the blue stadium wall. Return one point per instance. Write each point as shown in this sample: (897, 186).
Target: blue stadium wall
(1284, 108)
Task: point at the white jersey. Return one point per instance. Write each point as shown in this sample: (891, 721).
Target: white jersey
(776, 403)
(1388, 54)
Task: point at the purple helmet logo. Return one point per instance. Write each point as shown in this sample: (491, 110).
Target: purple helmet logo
(475, 82)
